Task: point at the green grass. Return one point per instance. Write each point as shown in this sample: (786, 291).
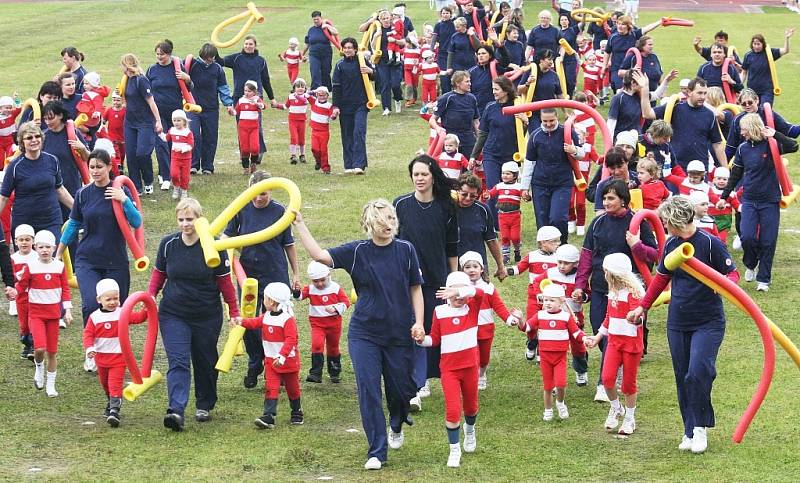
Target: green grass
(514, 444)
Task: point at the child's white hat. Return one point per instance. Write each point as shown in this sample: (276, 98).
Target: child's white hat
(427, 54)
(294, 41)
(23, 230)
(105, 145)
(547, 233)
(457, 278)
(470, 256)
(628, 138)
(322, 89)
(697, 197)
(398, 11)
(568, 253)
(554, 290)
(116, 95)
(722, 171)
(6, 101)
(106, 285)
(684, 82)
(251, 84)
(280, 293)
(695, 165)
(511, 166)
(93, 78)
(318, 270)
(44, 237)
(617, 264)
(179, 114)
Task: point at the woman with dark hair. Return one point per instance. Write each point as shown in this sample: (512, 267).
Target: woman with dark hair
(49, 91)
(625, 112)
(547, 84)
(608, 233)
(73, 63)
(69, 94)
(320, 51)
(390, 71)
(618, 44)
(350, 96)
(476, 229)
(428, 219)
(755, 66)
(481, 75)
(651, 67)
(56, 142)
(457, 112)
(569, 32)
(210, 88)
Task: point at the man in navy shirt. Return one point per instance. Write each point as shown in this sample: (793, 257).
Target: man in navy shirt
(721, 38)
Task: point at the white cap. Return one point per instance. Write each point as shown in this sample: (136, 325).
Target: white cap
(684, 83)
(322, 89)
(617, 264)
(23, 230)
(318, 270)
(722, 172)
(280, 293)
(511, 166)
(554, 290)
(6, 101)
(470, 257)
(398, 11)
(299, 80)
(697, 197)
(106, 285)
(548, 233)
(568, 253)
(457, 278)
(106, 145)
(44, 237)
(93, 78)
(628, 138)
(252, 84)
(427, 54)
(696, 166)
(179, 114)
(116, 95)
(294, 41)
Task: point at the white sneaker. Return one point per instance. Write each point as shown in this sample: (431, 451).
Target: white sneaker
(470, 441)
(416, 404)
(165, 185)
(160, 179)
(762, 287)
(581, 379)
(89, 365)
(358, 171)
(50, 386)
(580, 230)
(749, 275)
(699, 440)
(628, 426)
(600, 395)
(38, 377)
(547, 415)
(348, 171)
(372, 464)
(184, 193)
(482, 383)
(563, 412)
(386, 112)
(396, 439)
(397, 106)
(686, 443)
(424, 391)
(571, 227)
(737, 243)
(176, 192)
(148, 189)
(612, 420)
(454, 459)
(530, 355)
(62, 324)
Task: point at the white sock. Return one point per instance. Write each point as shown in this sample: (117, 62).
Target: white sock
(51, 380)
(39, 369)
(630, 413)
(457, 446)
(616, 405)
(469, 428)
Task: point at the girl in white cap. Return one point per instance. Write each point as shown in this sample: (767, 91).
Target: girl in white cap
(45, 281)
(281, 354)
(509, 195)
(695, 179)
(327, 303)
(723, 217)
(701, 219)
(625, 345)
(182, 141)
(297, 105)
(292, 56)
(23, 239)
(91, 103)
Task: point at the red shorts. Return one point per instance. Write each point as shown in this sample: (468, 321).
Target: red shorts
(273, 379)
(485, 350)
(45, 334)
(613, 358)
(553, 365)
(111, 379)
(458, 385)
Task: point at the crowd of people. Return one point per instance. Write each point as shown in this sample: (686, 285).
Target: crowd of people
(425, 305)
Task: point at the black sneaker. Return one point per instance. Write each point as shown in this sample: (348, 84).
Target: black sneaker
(266, 421)
(335, 379)
(113, 418)
(517, 256)
(251, 379)
(303, 158)
(317, 167)
(315, 378)
(107, 410)
(293, 159)
(297, 417)
(202, 416)
(506, 259)
(174, 422)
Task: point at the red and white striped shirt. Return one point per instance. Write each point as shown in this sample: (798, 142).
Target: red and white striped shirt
(591, 71)
(321, 113)
(101, 335)
(452, 164)
(430, 71)
(91, 103)
(455, 329)
(621, 333)
(554, 330)
(292, 56)
(731, 204)
(332, 295)
(248, 111)
(685, 187)
(297, 105)
(492, 303)
(279, 338)
(18, 260)
(47, 288)
(411, 57)
(508, 194)
(536, 262)
(182, 139)
(8, 128)
(567, 281)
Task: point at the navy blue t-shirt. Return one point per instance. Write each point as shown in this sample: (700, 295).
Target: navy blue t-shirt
(548, 86)
(248, 67)
(55, 143)
(444, 32)
(481, 84)
(475, 228)
(461, 55)
(166, 91)
(35, 183)
(598, 34)
(137, 110)
(71, 104)
(627, 110)
(734, 138)
(570, 34)
(651, 67)
(542, 39)
(693, 129)
(501, 138)
(207, 79)
(457, 112)
(382, 277)
(516, 52)
(760, 181)
(267, 259)
(191, 291)
(102, 245)
(757, 67)
(712, 74)
(618, 46)
(318, 43)
(694, 304)
(552, 165)
(349, 93)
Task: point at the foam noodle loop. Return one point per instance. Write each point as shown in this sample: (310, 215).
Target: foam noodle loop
(188, 99)
(122, 85)
(531, 89)
(364, 44)
(332, 38)
(773, 70)
(435, 149)
(248, 303)
(372, 101)
(636, 53)
(658, 229)
(683, 258)
(225, 361)
(735, 109)
(580, 181)
(134, 239)
(81, 120)
(730, 96)
(206, 231)
(35, 107)
(567, 48)
(788, 190)
(562, 77)
(673, 99)
(251, 14)
(676, 22)
(514, 74)
(83, 167)
(585, 15)
(143, 376)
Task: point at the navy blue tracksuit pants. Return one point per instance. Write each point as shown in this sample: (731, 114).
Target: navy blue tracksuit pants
(353, 122)
(163, 148)
(320, 66)
(390, 76)
(205, 128)
(393, 364)
(694, 357)
(551, 207)
(759, 234)
(139, 144)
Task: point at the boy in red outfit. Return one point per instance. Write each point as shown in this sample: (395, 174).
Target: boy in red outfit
(248, 110)
(23, 238)
(8, 128)
(181, 156)
(322, 113)
(114, 118)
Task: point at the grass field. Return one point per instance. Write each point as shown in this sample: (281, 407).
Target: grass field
(67, 439)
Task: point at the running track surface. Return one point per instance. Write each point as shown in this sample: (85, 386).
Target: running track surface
(732, 6)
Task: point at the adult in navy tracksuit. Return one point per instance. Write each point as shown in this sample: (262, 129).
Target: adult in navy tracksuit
(514, 47)
(695, 319)
(618, 44)
(190, 314)
(651, 66)
(755, 67)
(167, 95)
(429, 220)
(390, 71)
(142, 123)
(750, 103)
(461, 52)
(543, 37)
(457, 112)
(101, 252)
(350, 96)
(548, 86)
(73, 63)
(386, 275)
(55, 115)
(49, 91)
(569, 32)
(442, 34)
(466, 12)
(547, 173)
(625, 112)
(607, 234)
(35, 179)
(712, 73)
(265, 262)
(210, 85)
(476, 224)
(599, 33)
(249, 65)
(320, 52)
(480, 75)
(761, 195)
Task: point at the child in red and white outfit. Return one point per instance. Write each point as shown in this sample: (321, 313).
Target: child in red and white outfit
(695, 179)
(181, 156)
(23, 238)
(327, 305)
(248, 126)
(8, 128)
(654, 191)
(723, 212)
(101, 343)
(91, 103)
(509, 216)
(455, 329)
(297, 104)
(472, 264)
(554, 327)
(114, 118)
(281, 354)
(625, 345)
(45, 282)
(322, 113)
(604, 83)
(591, 73)
(450, 160)
(426, 112)
(292, 56)
(429, 70)
(397, 33)
(701, 219)
(548, 238)
(412, 56)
